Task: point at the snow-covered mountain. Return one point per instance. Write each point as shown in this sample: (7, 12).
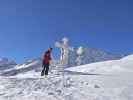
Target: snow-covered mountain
(111, 66)
(6, 63)
(107, 80)
(34, 65)
(91, 55)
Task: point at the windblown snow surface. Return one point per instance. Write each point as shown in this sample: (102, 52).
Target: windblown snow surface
(108, 80)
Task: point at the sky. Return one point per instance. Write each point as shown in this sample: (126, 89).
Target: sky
(29, 27)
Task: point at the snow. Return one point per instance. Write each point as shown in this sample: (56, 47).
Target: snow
(80, 50)
(130, 57)
(112, 66)
(107, 80)
(6, 61)
(90, 55)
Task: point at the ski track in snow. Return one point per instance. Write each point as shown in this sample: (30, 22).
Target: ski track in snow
(78, 87)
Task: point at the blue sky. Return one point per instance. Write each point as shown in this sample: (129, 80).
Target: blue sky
(28, 27)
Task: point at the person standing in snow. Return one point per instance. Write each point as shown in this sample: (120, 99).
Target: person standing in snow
(46, 62)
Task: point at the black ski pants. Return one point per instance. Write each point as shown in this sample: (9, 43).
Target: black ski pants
(45, 69)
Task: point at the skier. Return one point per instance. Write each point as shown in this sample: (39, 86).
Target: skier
(46, 62)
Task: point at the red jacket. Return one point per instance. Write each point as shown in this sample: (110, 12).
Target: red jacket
(47, 57)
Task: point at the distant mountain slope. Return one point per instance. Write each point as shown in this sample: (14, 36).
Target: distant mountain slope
(30, 65)
(6, 63)
(92, 55)
(34, 65)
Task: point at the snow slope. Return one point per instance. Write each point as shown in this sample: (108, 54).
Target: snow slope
(112, 66)
(130, 57)
(108, 80)
(32, 66)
